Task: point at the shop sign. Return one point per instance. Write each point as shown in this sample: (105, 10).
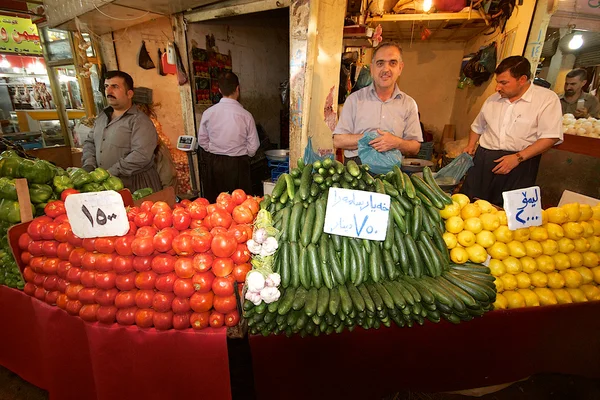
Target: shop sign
(356, 213)
(588, 7)
(523, 207)
(19, 35)
(98, 214)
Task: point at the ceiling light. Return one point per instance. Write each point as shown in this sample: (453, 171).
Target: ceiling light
(4, 63)
(427, 5)
(576, 42)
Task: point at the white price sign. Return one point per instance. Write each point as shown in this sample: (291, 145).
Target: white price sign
(523, 207)
(356, 213)
(98, 214)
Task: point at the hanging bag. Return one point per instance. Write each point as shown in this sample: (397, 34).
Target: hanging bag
(160, 64)
(144, 59)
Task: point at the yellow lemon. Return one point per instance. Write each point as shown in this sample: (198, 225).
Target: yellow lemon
(591, 292)
(555, 280)
(575, 259)
(545, 263)
(562, 296)
(529, 265)
(573, 230)
(521, 235)
(501, 303)
(565, 245)
(590, 259)
(546, 296)
(596, 212)
(577, 295)
(461, 199)
(561, 261)
(497, 267)
(531, 299)
(533, 248)
(539, 279)
(490, 222)
(557, 215)
(572, 210)
(499, 285)
(474, 225)
(544, 217)
(538, 233)
(466, 238)
(470, 210)
(586, 212)
(596, 272)
(451, 210)
(454, 224)
(503, 234)
(509, 281)
(516, 249)
(581, 245)
(513, 265)
(573, 279)
(502, 217)
(485, 206)
(596, 225)
(450, 239)
(594, 242)
(588, 229)
(549, 247)
(555, 231)
(477, 253)
(498, 250)
(586, 274)
(487, 239)
(514, 299)
(523, 281)
(459, 255)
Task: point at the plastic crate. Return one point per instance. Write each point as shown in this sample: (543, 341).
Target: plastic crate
(32, 145)
(426, 151)
(277, 168)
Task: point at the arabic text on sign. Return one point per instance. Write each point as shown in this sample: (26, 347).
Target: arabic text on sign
(523, 207)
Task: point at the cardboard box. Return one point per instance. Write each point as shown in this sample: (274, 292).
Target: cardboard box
(268, 187)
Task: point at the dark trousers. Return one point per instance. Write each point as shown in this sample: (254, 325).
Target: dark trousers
(224, 174)
(482, 183)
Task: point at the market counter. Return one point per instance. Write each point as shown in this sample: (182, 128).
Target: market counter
(73, 359)
(503, 346)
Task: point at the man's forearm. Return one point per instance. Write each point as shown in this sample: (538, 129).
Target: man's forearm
(540, 146)
(409, 147)
(347, 141)
(473, 138)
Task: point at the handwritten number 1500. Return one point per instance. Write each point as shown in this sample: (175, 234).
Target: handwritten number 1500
(101, 217)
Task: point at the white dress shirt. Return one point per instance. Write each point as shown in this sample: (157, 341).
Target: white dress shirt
(513, 126)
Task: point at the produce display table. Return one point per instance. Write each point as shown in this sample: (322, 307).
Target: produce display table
(73, 359)
(503, 346)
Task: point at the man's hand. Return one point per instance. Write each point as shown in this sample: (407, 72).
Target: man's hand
(581, 113)
(88, 168)
(385, 142)
(469, 149)
(505, 164)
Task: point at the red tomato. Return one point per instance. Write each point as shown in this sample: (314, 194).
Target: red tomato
(105, 262)
(34, 228)
(226, 202)
(222, 266)
(106, 314)
(220, 218)
(123, 245)
(202, 200)
(106, 297)
(51, 283)
(146, 231)
(165, 282)
(37, 264)
(28, 274)
(216, 319)
(202, 262)
(50, 266)
(87, 295)
(162, 301)
(125, 299)
(197, 211)
(132, 228)
(55, 208)
(125, 282)
(238, 196)
(61, 301)
(106, 280)
(47, 231)
(65, 193)
(217, 230)
(232, 318)
(241, 232)
(74, 275)
(185, 203)
(88, 278)
(197, 223)
(201, 240)
(181, 219)
(38, 279)
(145, 280)
(184, 267)
(132, 212)
(35, 248)
(163, 320)
(26, 257)
(201, 302)
(73, 307)
(163, 220)
(146, 206)
(182, 244)
(181, 305)
(24, 241)
(88, 312)
(160, 206)
(29, 288)
(225, 304)
(123, 264)
(223, 245)
(223, 286)
(252, 204)
(105, 245)
(200, 320)
(163, 263)
(126, 316)
(51, 297)
(50, 248)
(242, 215)
(75, 240)
(241, 254)
(181, 321)
(62, 285)
(76, 256)
(163, 240)
(144, 298)
(40, 293)
(142, 246)
(88, 261)
(203, 281)
(62, 231)
(144, 318)
(183, 287)
(64, 250)
(143, 219)
(89, 244)
(240, 271)
(61, 219)
(141, 264)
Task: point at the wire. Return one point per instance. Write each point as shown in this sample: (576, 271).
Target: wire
(120, 19)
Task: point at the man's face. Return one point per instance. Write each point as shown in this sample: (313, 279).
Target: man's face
(508, 86)
(573, 86)
(386, 67)
(117, 95)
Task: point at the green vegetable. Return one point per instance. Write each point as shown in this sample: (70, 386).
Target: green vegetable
(138, 194)
(36, 171)
(80, 178)
(10, 211)
(9, 166)
(62, 182)
(99, 175)
(92, 187)
(114, 183)
(7, 189)
(39, 193)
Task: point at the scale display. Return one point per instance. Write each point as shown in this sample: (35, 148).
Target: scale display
(186, 143)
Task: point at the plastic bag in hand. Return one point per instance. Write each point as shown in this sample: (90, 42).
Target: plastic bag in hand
(310, 156)
(380, 162)
(457, 168)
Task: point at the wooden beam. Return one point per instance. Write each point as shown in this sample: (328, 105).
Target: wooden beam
(439, 28)
(232, 8)
(456, 30)
(423, 17)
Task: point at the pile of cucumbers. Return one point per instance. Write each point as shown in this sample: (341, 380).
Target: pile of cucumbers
(332, 282)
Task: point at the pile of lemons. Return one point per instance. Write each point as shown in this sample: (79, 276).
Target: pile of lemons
(555, 263)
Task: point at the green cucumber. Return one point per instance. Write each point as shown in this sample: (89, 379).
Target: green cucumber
(303, 269)
(299, 298)
(305, 181)
(322, 301)
(409, 188)
(428, 176)
(320, 208)
(314, 265)
(345, 299)
(308, 226)
(285, 304)
(427, 191)
(279, 188)
(295, 220)
(284, 263)
(295, 264)
(334, 301)
(414, 257)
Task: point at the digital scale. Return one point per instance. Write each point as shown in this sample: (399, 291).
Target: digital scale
(188, 144)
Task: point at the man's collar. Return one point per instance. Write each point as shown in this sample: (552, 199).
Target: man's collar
(131, 110)
(527, 96)
(397, 94)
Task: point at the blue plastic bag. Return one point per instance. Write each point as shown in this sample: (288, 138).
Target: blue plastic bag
(380, 162)
(310, 156)
(457, 168)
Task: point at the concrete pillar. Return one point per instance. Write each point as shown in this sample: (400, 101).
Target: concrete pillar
(537, 33)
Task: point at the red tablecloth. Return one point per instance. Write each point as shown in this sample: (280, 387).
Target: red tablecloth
(501, 347)
(73, 359)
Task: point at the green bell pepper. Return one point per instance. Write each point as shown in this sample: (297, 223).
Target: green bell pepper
(113, 183)
(36, 171)
(138, 194)
(8, 153)
(61, 183)
(10, 167)
(92, 187)
(7, 189)
(10, 211)
(80, 178)
(61, 172)
(39, 193)
(39, 209)
(99, 175)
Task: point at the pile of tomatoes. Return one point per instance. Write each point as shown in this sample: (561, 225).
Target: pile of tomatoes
(176, 267)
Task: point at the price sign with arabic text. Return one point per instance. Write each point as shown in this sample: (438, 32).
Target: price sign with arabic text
(98, 214)
(523, 207)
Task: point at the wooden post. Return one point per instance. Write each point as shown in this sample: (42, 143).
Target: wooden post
(24, 200)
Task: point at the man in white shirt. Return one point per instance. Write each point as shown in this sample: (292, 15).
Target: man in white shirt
(514, 127)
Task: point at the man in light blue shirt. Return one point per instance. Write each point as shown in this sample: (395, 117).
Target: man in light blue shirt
(380, 107)
(228, 136)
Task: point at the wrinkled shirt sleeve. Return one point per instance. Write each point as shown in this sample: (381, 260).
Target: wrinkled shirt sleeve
(252, 137)
(550, 121)
(346, 122)
(88, 156)
(479, 124)
(412, 129)
(144, 140)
